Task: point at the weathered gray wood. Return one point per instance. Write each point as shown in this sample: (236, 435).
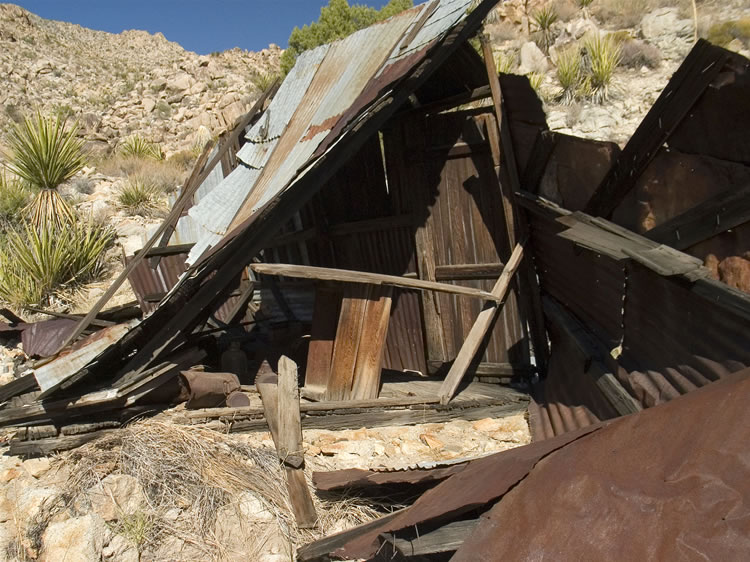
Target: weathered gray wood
(362, 277)
(290, 430)
(479, 329)
(447, 538)
(468, 271)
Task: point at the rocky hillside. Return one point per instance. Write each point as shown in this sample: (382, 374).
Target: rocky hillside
(119, 84)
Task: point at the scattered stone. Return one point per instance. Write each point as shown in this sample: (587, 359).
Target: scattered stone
(117, 495)
(121, 549)
(79, 538)
(532, 59)
(37, 467)
(431, 441)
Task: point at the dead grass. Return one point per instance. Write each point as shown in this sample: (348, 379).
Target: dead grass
(198, 471)
(618, 14)
(165, 175)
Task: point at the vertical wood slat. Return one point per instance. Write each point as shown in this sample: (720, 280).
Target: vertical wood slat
(347, 341)
(372, 343)
(322, 336)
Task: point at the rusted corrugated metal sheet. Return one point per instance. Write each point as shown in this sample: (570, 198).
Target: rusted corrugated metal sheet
(669, 483)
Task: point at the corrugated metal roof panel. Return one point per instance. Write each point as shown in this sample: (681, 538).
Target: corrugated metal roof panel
(345, 71)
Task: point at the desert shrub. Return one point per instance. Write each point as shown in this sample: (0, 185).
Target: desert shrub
(569, 72)
(566, 9)
(620, 13)
(138, 147)
(14, 197)
(184, 159)
(139, 197)
(163, 110)
(636, 54)
(544, 18)
(724, 33)
(506, 62)
(263, 80)
(44, 152)
(603, 55)
(36, 262)
(166, 175)
(583, 4)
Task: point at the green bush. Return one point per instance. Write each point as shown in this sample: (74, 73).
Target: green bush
(724, 33)
(139, 197)
(138, 147)
(544, 18)
(569, 72)
(263, 80)
(337, 20)
(45, 153)
(604, 55)
(14, 197)
(35, 262)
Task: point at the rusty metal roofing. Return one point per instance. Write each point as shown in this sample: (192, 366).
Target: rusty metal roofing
(319, 96)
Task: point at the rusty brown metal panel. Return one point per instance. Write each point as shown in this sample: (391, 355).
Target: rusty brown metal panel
(667, 483)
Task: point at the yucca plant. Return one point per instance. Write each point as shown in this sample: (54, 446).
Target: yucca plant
(505, 63)
(138, 196)
(544, 18)
(14, 197)
(37, 261)
(45, 153)
(536, 79)
(603, 54)
(569, 72)
(138, 147)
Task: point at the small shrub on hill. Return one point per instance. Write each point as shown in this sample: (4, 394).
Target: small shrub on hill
(724, 33)
(139, 197)
(14, 197)
(636, 54)
(602, 55)
(138, 147)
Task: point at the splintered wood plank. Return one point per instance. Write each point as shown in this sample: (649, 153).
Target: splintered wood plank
(372, 343)
(286, 429)
(322, 335)
(479, 329)
(290, 429)
(347, 342)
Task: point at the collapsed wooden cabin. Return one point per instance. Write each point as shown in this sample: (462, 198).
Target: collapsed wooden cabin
(415, 258)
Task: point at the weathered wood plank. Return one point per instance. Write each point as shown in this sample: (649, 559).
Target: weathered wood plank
(447, 538)
(372, 343)
(468, 271)
(362, 277)
(479, 329)
(322, 335)
(346, 346)
(290, 430)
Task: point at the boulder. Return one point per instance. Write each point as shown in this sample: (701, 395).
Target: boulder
(80, 538)
(117, 495)
(180, 82)
(532, 59)
(148, 104)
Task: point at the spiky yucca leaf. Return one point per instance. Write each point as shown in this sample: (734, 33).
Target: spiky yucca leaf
(45, 152)
(138, 147)
(14, 197)
(49, 208)
(139, 196)
(603, 54)
(36, 262)
(569, 72)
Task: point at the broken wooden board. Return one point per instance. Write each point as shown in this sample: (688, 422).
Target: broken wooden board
(347, 276)
(479, 329)
(279, 394)
(322, 335)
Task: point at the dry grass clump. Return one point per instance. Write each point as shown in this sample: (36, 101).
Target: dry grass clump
(166, 175)
(197, 471)
(636, 54)
(724, 33)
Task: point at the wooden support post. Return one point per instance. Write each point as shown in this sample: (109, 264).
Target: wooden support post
(280, 396)
(502, 152)
(479, 329)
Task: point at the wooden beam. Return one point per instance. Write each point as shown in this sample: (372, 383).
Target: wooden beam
(284, 423)
(501, 144)
(366, 380)
(347, 342)
(322, 336)
(479, 329)
(483, 92)
(726, 210)
(362, 277)
(469, 271)
(447, 538)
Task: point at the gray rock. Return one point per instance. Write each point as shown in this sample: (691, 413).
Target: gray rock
(117, 495)
(81, 539)
(667, 30)
(532, 59)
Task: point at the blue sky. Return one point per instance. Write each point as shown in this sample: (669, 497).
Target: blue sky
(202, 26)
